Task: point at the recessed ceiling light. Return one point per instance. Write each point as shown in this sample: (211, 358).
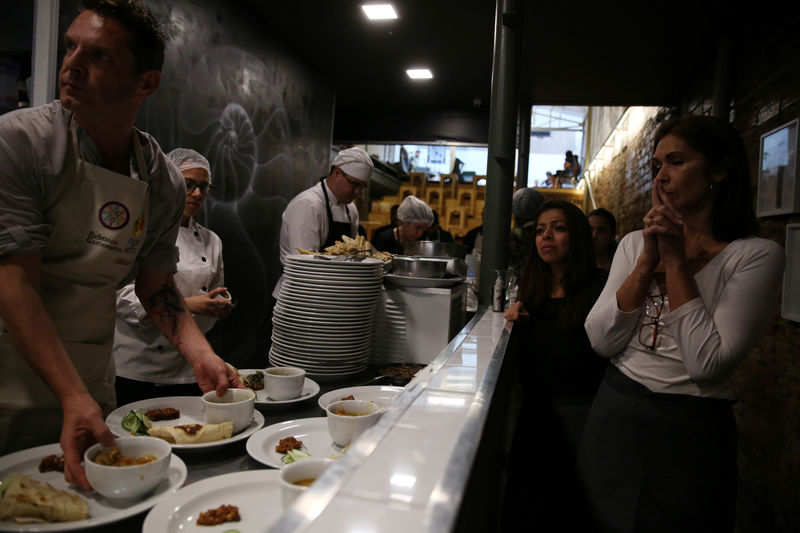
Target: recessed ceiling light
(419, 73)
(379, 11)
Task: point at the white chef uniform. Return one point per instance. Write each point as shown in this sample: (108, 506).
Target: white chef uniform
(141, 352)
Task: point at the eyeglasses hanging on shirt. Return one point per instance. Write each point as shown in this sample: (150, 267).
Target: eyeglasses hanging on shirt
(648, 331)
(204, 187)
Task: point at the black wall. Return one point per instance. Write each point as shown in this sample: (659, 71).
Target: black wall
(264, 117)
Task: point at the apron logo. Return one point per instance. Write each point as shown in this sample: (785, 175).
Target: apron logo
(138, 226)
(114, 215)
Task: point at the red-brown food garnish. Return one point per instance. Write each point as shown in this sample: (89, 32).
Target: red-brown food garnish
(167, 413)
(190, 429)
(289, 443)
(220, 515)
(52, 463)
(351, 397)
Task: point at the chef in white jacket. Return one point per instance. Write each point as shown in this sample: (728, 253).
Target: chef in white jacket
(319, 216)
(148, 366)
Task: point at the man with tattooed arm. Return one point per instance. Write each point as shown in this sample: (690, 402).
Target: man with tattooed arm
(88, 203)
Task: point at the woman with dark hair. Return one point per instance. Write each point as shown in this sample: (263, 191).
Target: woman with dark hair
(559, 372)
(604, 235)
(558, 286)
(676, 317)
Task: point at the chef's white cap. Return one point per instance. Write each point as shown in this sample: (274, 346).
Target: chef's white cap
(187, 158)
(354, 162)
(414, 210)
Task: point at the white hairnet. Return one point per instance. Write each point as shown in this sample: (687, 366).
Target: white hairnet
(354, 162)
(525, 203)
(187, 158)
(414, 210)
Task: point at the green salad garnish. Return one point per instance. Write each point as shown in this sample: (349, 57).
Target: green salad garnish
(295, 455)
(136, 422)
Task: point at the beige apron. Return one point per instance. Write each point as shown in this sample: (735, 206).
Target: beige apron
(99, 221)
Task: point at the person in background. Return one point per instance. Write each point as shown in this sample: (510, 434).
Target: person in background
(89, 203)
(559, 370)
(473, 239)
(604, 234)
(147, 365)
(676, 318)
(436, 233)
(414, 218)
(392, 220)
(524, 206)
(576, 167)
(319, 216)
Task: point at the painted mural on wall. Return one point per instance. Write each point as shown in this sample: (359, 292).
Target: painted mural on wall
(263, 118)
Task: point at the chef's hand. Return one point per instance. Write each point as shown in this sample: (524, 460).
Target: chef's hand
(213, 374)
(83, 426)
(516, 311)
(209, 305)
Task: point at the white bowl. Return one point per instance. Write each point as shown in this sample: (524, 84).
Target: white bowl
(126, 482)
(236, 405)
(284, 382)
(297, 471)
(345, 428)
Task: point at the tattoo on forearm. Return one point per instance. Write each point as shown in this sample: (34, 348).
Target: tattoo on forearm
(166, 305)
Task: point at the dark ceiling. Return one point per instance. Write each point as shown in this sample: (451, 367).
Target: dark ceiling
(573, 53)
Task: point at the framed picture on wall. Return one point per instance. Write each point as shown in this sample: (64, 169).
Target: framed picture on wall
(778, 188)
(790, 305)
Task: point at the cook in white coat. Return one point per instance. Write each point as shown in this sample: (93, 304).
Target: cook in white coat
(88, 202)
(319, 216)
(148, 366)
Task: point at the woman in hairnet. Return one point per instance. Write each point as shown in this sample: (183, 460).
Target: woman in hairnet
(147, 364)
(414, 217)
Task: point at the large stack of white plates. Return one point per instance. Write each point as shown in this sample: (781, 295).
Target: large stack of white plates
(389, 340)
(323, 321)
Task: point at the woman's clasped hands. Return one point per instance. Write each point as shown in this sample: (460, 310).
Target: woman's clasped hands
(663, 229)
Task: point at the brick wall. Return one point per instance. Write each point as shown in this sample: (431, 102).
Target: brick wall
(766, 95)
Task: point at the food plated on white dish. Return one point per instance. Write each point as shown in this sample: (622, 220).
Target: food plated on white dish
(256, 495)
(312, 432)
(130, 469)
(100, 509)
(383, 395)
(310, 389)
(188, 429)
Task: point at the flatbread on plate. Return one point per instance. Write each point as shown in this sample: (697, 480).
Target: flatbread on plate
(27, 500)
(193, 433)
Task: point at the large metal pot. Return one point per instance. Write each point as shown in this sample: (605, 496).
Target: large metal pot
(434, 249)
(421, 267)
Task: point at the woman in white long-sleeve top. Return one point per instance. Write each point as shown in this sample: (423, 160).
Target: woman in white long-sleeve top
(686, 299)
(147, 365)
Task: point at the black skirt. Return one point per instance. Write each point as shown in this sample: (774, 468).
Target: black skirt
(658, 462)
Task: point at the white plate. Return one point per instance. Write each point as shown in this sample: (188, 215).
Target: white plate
(313, 432)
(303, 311)
(334, 261)
(339, 275)
(101, 510)
(319, 325)
(383, 395)
(346, 291)
(191, 408)
(310, 389)
(331, 281)
(256, 493)
(414, 281)
(327, 344)
(366, 306)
